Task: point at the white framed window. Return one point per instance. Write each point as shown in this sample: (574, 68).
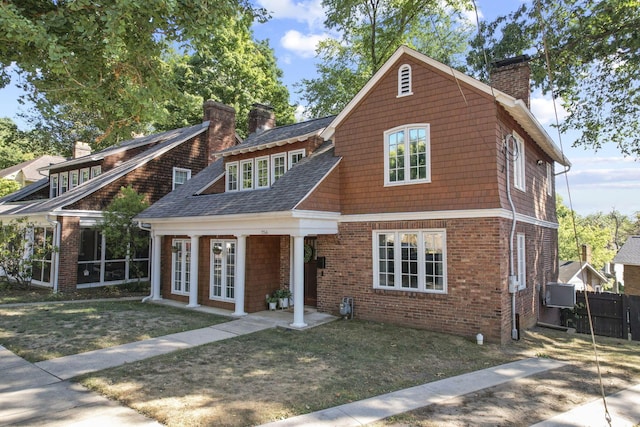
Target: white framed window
(295, 156)
(262, 172)
(522, 261)
(518, 163)
(180, 266)
(84, 175)
(404, 80)
(222, 270)
(73, 180)
(246, 171)
(407, 155)
(64, 182)
(95, 171)
(232, 176)
(410, 260)
(549, 179)
(53, 185)
(180, 176)
(278, 166)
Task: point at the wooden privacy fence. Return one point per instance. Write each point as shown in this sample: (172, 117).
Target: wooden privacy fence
(613, 315)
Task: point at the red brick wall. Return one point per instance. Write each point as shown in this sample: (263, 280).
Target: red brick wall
(68, 251)
(632, 279)
(262, 270)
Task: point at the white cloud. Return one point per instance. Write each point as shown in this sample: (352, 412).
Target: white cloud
(542, 109)
(308, 11)
(303, 45)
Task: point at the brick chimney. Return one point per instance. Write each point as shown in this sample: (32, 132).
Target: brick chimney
(512, 76)
(80, 149)
(585, 256)
(222, 127)
(261, 118)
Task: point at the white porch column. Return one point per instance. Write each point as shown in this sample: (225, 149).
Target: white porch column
(298, 282)
(241, 257)
(156, 262)
(193, 270)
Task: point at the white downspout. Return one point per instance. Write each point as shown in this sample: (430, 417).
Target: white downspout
(513, 283)
(55, 256)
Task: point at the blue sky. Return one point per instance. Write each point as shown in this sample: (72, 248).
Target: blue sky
(597, 181)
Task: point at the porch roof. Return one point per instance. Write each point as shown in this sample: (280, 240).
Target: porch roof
(284, 195)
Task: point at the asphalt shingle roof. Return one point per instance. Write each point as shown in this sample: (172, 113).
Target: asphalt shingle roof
(629, 253)
(283, 195)
(167, 141)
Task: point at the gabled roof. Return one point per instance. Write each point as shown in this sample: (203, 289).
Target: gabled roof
(278, 136)
(167, 141)
(629, 253)
(573, 269)
(30, 167)
(284, 195)
(516, 107)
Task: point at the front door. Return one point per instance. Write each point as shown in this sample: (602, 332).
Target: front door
(310, 272)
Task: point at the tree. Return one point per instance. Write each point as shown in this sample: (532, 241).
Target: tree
(107, 59)
(123, 237)
(8, 186)
(14, 144)
(371, 30)
(17, 252)
(593, 53)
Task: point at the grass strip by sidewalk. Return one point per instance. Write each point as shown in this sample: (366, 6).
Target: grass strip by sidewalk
(47, 331)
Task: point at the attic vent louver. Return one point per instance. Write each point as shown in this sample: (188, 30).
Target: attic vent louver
(404, 80)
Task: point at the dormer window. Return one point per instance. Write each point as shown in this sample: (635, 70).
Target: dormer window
(295, 157)
(95, 171)
(180, 176)
(53, 186)
(404, 80)
(260, 172)
(232, 176)
(64, 182)
(246, 169)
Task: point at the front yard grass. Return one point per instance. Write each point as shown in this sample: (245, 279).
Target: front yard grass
(12, 294)
(48, 331)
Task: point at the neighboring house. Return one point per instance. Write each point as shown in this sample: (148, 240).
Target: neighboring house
(427, 200)
(31, 171)
(578, 273)
(66, 207)
(629, 257)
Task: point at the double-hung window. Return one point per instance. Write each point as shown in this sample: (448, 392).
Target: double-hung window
(64, 182)
(223, 270)
(232, 176)
(180, 176)
(407, 155)
(180, 266)
(84, 175)
(518, 163)
(246, 178)
(53, 186)
(295, 157)
(410, 260)
(262, 172)
(95, 171)
(278, 166)
(73, 182)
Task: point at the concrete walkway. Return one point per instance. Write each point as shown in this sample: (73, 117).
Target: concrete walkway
(40, 393)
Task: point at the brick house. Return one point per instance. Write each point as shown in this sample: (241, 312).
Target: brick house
(629, 257)
(407, 202)
(66, 207)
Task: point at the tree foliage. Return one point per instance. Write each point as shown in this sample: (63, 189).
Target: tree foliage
(15, 146)
(370, 31)
(593, 49)
(109, 60)
(123, 237)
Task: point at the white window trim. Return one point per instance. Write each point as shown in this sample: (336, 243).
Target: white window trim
(273, 165)
(77, 176)
(256, 175)
(81, 180)
(186, 266)
(224, 270)
(227, 182)
(176, 169)
(549, 179)
(401, 70)
(95, 171)
(407, 181)
(521, 260)
(421, 261)
(519, 175)
(54, 189)
(63, 175)
(241, 174)
(290, 155)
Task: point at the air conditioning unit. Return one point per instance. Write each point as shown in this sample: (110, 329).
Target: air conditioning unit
(561, 295)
